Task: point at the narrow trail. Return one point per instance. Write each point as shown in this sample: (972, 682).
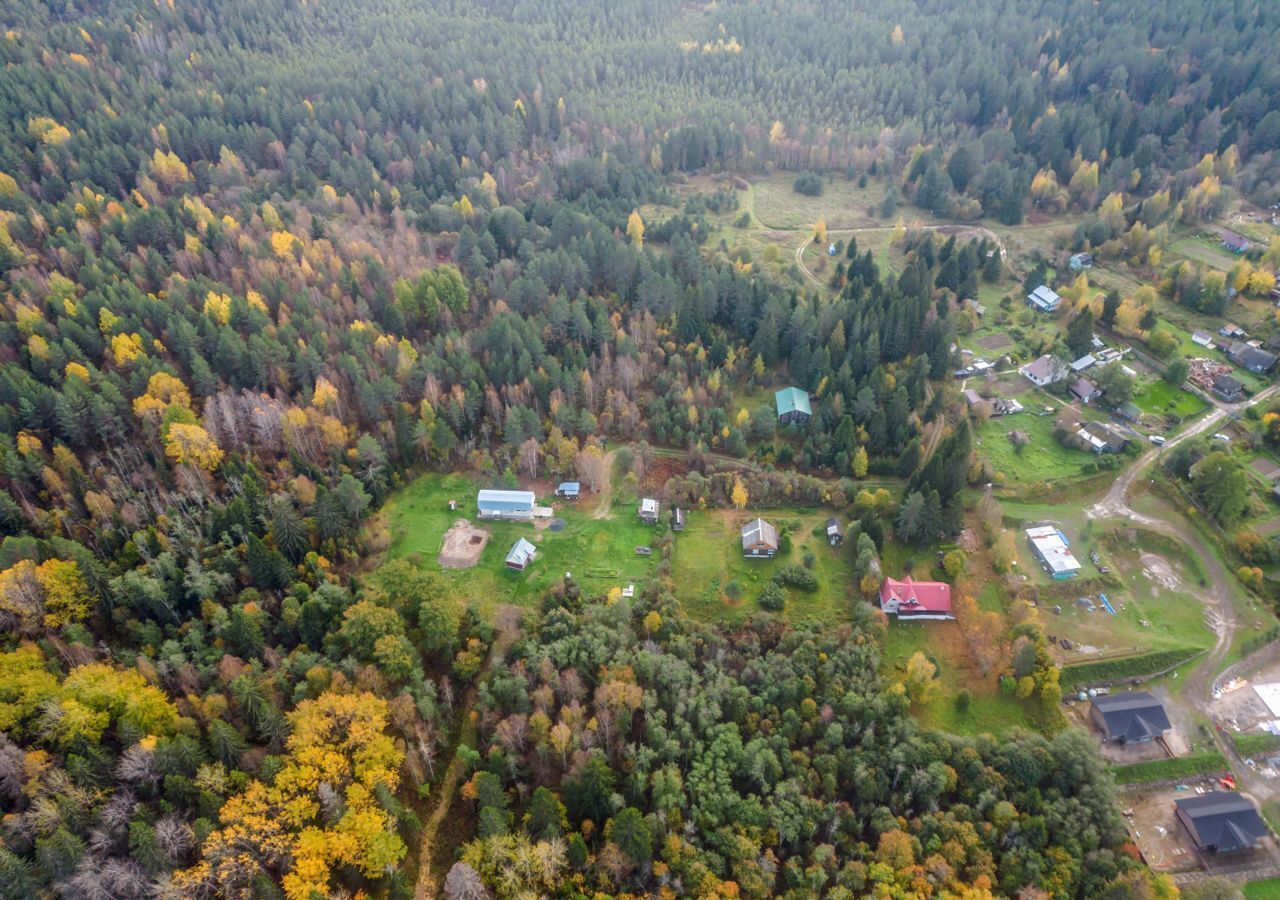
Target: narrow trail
(605, 503)
(426, 887)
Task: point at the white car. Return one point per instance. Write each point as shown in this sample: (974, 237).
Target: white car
(1222, 437)
(1158, 439)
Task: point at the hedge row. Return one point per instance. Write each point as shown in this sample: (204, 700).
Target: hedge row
(1256, 743)
(1110, 670)
(1203, 763)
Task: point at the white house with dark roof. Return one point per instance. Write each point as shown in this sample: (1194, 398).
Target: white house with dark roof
(1044, 371)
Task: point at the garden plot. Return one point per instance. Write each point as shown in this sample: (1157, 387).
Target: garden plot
(462, 545)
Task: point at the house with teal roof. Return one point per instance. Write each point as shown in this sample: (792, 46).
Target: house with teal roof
(793, 405)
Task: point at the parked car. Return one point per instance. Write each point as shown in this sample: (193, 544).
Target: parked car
(1158, 439)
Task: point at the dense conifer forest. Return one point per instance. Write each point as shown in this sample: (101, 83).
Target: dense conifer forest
(263, 261)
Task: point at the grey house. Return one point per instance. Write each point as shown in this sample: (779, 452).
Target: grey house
(1221, 821)
(1132, 717)
(1228, 388)
(759, 540)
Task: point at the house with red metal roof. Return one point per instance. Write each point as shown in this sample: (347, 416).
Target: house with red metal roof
(910, 600)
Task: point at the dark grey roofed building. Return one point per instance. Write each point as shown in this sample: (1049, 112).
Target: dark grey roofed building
(1228, 388)
(1221, 821)
(1132, 717)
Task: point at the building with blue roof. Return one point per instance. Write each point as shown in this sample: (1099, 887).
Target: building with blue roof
(522, 553)
(569, 490)
(1044, 299)
(792, 405)
(505, 504)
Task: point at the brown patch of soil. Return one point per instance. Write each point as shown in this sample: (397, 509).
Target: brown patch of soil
(462, 546)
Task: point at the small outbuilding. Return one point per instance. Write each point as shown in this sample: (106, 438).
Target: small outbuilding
(1087, 361)
(569, 490)
(759, 540)
(792, 405)
(1130, 717)
(835, 532)
(521, 554)
(649, 509)
(677, 519)
(1085, 390)
(1080, 261)
(1221, 821)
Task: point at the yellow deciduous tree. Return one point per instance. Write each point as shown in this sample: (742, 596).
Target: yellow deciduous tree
(919, 680)
(739, 494)
(338, 740)
(163, 390)
(860, 462)
(47, 131)
(191, 444)
(325, 394)
(66, 592)
(168, 170)
(282, 243)
(635, 228)
(125, 348)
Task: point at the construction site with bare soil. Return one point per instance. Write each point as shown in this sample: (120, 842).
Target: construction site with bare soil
(462, 545)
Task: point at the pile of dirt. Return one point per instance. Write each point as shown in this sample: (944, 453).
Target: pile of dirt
(1157, 568)
(462, 546)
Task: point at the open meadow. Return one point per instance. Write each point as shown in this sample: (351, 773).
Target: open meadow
(599, 552)
(715, 582)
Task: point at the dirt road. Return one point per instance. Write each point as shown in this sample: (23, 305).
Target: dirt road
(1198, 691)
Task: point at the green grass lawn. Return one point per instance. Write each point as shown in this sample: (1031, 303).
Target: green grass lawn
(598, 552)
(989, 710)
(1161, 398)
(1204, 250)
(707, 557)
(1044, 459)
(1268, 889)
(842, 203)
